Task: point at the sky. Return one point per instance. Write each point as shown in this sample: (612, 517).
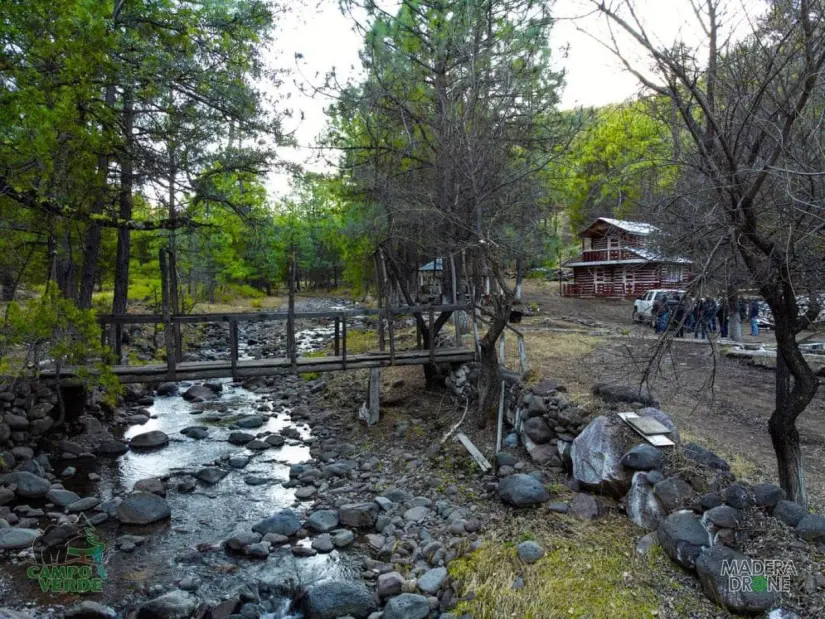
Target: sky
(326, 40)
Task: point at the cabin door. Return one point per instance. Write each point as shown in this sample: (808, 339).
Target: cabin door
(629, 281)
(598, 280)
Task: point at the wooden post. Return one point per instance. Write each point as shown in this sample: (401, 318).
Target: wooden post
(118, 327)
(502, 350)
(344, 341)
(456, 315)
(500, 428)
(374, 395)
(168, 335)
(418, 344)
(379, 285)
(233, 347)
(432, 335)
(337, 335)
(391, 326)
(290, 321)
(524, 364)
(174, 302)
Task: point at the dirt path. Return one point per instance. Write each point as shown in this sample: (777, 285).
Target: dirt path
(722, 403)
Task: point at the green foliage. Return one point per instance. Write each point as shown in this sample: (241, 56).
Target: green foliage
(53, 329)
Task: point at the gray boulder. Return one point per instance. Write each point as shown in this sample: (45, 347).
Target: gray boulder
(719, 587)
(723, 517)
(173, 605)
(643, 457)
(142, 508)
(538, 430)
(642, 506)
(29, 485)
(333, 598)
(240, 438)
(683, 538)
(389, 584)
(61, 498)
(674, 493)
(252, 421)
(736, 495)
(432, 580)
(359, 515)
(198, 391)
(705, 457)
(597, 457)
(767, 495)
(284, 522)
(529, 552)
(149, 440)
(522, 490)
(13, 538)
(167, 389)
(211, 475)
(624, 393)
(407, 606)
(88, 609)
(322, 521)
(811, 528)
(789, 512)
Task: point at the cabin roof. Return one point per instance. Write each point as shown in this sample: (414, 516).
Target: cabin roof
(435, 265)
(633, 227)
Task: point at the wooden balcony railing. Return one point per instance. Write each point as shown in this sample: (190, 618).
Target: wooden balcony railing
(603, 255)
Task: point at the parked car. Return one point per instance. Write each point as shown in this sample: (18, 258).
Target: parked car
(643, 306)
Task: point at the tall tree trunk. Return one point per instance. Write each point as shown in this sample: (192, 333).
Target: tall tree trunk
(8, 284)
(126, 202)
(91, 244)
(490, 374)
(65, 266)
(519, 277)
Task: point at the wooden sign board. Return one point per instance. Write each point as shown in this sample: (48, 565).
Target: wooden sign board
(657, 440)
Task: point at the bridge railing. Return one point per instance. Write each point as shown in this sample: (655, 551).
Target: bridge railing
(112, 325)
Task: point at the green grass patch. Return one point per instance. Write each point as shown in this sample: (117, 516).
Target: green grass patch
(312, 355)
(590, 570)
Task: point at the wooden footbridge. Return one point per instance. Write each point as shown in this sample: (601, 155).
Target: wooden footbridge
(388, 354)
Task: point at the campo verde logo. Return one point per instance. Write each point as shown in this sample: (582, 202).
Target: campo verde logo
(75, 566)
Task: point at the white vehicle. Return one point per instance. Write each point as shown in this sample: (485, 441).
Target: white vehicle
(643, 306)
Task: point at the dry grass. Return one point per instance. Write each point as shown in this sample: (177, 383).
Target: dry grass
(241, 305)
(560, 356)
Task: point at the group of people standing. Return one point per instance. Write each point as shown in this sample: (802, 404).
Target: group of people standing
(701, 316)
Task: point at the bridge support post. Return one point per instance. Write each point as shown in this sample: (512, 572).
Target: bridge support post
(370, 411)
(168, 334)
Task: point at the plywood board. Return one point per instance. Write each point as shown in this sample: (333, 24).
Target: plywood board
(648, 425)
(657, 440)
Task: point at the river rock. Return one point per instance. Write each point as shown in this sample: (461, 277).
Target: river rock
(538, 430)
(17, 423)
(584, 506)
(789, 512)
(89, 609)
(529, 552)
(389, 584)
(111, 447)
(284, 522)
(359, 515)
(257, 445)
(240, 438)
(407, 606)
(149, 440)
(522, 490)
(432, 580)
(241, 540)
(61, 498)
(683, 538)
(198, 391)
(275, 440)
(252, 421)
(643, 457)
(419, 513)
(154, 485)
(705, 457)
(142, 508)
(723, 516)
(334, 598)
(717, 586)
(641, 504)
(767, 495)
(7, 496)
(211, 475)
(674, 493)
(196, 432)
(322, 521)
(624, 393)
(597, 455)
(341, 538)
(29, 485)
(83, 504)
(811, 528)
(13, 538)
(173, 605)
(8, 613)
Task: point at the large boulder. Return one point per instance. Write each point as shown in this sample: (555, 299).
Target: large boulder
(789, 512)
(29, 485)
(335, 598)
(641, 503)
(322, 521)
(538, 430)
(705, 457)
(167, 389)
(142, 508)
(597, 457)
(624, 393)
(201, 392)
(683, 538)
(643, 457)
(522, 490)
(730, 591)
(767, 495)
(359, 515)
(284, 522)
(13, 538)
(149, 440)
(674, 493)
(407, 606)
(812, 528)
(173, 605)
(545, 454)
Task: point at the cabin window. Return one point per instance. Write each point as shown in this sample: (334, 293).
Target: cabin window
(587, 243)
(672, 274)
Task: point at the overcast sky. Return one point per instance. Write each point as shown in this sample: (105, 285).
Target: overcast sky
(326, 40)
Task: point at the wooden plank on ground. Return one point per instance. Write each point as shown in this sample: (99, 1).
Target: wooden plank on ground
(657, 440)
(479, 458)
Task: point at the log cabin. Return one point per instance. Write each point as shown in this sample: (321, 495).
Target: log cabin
(618, 260)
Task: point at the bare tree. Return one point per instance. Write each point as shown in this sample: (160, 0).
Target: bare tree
(749, 116)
